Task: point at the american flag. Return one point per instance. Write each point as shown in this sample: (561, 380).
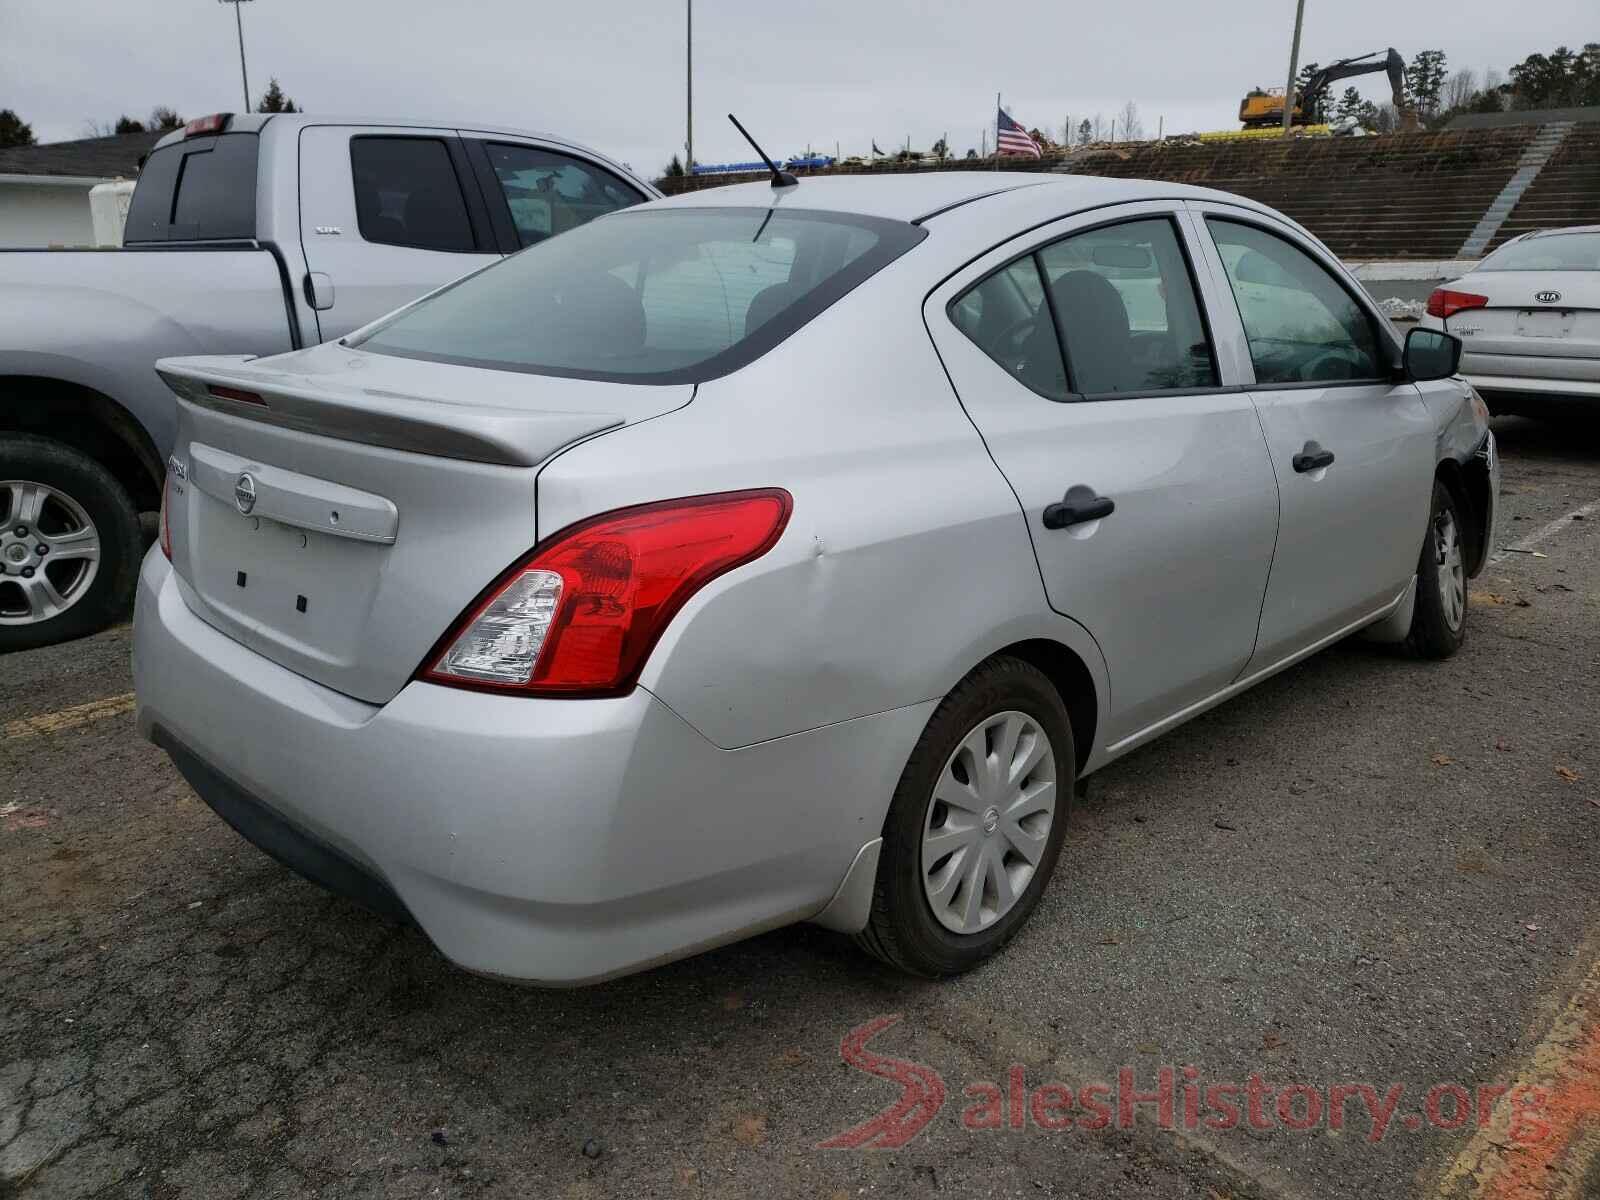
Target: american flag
(1011, 138)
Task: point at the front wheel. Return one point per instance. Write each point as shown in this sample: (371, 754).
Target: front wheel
(69, 543)
(976, 823)
(1439, 620)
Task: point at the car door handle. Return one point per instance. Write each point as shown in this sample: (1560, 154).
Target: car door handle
(1312, 457)
(1080, 504)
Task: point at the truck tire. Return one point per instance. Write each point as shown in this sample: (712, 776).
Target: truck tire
(69, 543)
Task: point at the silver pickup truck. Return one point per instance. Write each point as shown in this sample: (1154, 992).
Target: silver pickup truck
(247, 234)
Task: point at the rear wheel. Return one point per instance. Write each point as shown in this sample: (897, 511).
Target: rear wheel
(976, 823)
(1439, 620)
(69, 543)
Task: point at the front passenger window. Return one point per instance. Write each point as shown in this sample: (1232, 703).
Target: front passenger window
(1302, 325)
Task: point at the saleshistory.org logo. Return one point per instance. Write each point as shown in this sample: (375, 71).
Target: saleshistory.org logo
(1177, 1098)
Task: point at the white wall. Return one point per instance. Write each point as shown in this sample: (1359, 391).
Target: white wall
(31, 215)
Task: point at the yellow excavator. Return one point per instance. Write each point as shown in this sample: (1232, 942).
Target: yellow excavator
(1263, 108)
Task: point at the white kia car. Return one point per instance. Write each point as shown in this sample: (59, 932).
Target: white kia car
(787, 553)
(1528, 317)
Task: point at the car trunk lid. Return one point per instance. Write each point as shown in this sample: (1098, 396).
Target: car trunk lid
(336, 511)
(1534, 314)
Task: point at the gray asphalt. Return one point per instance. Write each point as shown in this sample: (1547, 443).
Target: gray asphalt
(1367, 870)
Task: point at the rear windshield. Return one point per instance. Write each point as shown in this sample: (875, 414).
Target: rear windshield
(674, 295)
(199, 189)
(1551, 252)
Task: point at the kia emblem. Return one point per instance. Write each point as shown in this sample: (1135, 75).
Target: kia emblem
(1547, 297)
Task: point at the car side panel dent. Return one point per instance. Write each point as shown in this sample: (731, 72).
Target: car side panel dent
(905, 563)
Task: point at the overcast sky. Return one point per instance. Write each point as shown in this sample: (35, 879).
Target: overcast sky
(611, 72)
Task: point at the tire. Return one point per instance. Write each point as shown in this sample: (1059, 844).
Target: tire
(90, 530)
(1439, 619)
(905, 928)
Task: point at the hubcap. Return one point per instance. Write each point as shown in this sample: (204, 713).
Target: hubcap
(988, 822)
(49, 552)
(1452, 569)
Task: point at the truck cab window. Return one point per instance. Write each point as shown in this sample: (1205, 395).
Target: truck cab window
(549, 193)
(407, 194)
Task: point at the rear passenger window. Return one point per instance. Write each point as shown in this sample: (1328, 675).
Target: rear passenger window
(407, 194)
(549, 193)
(1126, 309)
(1119, 301)
(1008, 319)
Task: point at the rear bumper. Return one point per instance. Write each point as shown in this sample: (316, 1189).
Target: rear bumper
(549, 841)
(1527, 385)
(1533, 374)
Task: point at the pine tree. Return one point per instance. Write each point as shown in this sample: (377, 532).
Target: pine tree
(274, 101)
(1425, 81)
(14, 131)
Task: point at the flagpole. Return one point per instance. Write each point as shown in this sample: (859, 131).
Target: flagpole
(997, 131)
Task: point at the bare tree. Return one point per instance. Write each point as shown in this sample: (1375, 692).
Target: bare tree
(1460, 88)
(1099, 127)
(1132, 126)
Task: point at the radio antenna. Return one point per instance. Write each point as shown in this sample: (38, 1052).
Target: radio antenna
(780, 179)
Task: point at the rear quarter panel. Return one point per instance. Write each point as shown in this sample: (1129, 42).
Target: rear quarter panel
(905, 563)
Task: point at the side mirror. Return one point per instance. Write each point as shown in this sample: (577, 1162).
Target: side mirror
(1431, 354)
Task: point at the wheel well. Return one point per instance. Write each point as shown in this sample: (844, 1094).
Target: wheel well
(1469, 487)
(1072, 680)
(88, 421)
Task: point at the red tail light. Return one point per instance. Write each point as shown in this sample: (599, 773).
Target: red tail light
(166, 520)
(580, 615)
(1444, 303)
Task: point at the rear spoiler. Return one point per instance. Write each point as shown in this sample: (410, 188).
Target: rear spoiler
(474, 433)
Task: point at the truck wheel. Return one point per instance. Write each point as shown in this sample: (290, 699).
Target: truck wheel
(69, 543)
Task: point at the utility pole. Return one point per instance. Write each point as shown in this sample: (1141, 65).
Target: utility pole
(1294, 66)
(244, 77)
(688, 83)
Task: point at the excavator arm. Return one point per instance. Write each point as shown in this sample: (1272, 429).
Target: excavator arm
(1366, 64)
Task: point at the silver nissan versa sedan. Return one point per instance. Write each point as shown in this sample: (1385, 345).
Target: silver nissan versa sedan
(788, 553)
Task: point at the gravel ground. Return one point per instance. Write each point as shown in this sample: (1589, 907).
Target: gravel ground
(1367, 870)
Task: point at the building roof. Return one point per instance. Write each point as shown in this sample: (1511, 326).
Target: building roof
(87, 158)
